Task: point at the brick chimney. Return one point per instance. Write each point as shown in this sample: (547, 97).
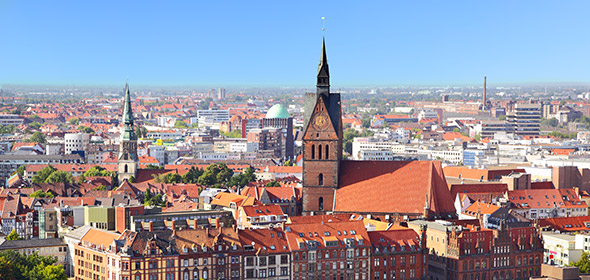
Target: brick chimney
(151, 226)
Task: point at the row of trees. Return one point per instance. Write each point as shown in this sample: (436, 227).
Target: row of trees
(50, 174)
(215, 175)
(14, 265)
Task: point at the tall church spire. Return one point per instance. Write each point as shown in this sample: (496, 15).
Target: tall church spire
(128, 130)
(128, 160)
(127, 112)
(323, 83)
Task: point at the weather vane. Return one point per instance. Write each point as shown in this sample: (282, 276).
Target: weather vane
(323, 27)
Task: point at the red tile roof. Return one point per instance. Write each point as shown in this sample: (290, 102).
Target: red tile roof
(525, 199)
(263, 210)
(269, 241)
(580, 223)
(478, 188)
(392, 187)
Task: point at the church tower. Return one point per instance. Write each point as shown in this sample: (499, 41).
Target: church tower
(128, 160)
(322, 143)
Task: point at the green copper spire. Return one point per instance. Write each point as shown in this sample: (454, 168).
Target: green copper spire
(128, 131)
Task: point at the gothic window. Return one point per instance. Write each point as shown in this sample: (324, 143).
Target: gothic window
(321, 179)
(321, 204)
(126, 168)
(327, 151)
(312, 151)
(320, 151)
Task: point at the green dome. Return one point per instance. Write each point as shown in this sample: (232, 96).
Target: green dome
(277, 111)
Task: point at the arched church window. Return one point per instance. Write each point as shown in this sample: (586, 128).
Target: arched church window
(320, 151)
(126, 168)
(312, 151)
(321, 179)
(321, 203)
(327, 151)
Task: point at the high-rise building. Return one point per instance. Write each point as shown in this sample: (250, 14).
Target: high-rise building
(221, 93)
(525, 119)
(128, 160)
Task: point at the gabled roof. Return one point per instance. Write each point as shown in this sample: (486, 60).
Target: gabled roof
(263, 210)
(526, 199)
(478, 188)
(321, 233)
(392, 187)
(480, 208)
(269, 241)
(394, 238)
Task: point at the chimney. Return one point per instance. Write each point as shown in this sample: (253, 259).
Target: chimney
(207, 231)
(173, 225)
(151, 226)
(217, 223)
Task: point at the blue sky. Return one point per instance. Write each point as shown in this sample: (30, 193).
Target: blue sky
(277, 43)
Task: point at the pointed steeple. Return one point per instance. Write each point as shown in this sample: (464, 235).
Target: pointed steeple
(323, 82)
(127, 112)
(128, 130)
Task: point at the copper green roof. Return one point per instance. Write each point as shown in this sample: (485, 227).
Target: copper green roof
(277, 111)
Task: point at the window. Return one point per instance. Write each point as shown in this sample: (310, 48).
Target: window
(321, 199)
(327, 151)
(321, 179)
(319, 151)
(312, 151)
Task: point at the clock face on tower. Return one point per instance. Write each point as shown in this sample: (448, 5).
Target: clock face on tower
(320, 122)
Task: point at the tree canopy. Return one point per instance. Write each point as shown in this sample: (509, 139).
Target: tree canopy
(14, 265)
(41, 194)
(584, 263)
(60, 177)
(42, 175)
(37, 137)
(13, 236)
(273, 183)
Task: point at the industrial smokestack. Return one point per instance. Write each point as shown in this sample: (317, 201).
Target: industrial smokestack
(484, 93)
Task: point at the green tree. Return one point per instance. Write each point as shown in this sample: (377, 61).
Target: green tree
(180, 124)
(192, 175)
(153, 166)
(74, 121)
(224, 174)
(477, 136)
(13, 236)
(100, 188)
(273, 183)
(7, 129)
(552, 122)
(86, 129)
(243, 178)
(35, 125)
(14, 265)
(60, 177)
(42, 175)
(21, 170)
(584, 263)
(41, 194)
(232, 134)
(38, 137)
(97, 171)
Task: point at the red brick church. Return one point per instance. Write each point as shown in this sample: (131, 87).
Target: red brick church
(380, 188)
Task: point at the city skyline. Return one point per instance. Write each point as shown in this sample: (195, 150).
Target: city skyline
(275, 45)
